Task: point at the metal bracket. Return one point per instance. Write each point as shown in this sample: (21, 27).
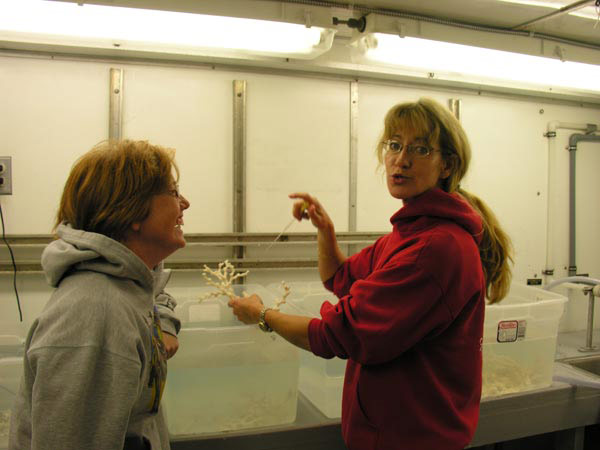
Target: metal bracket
(115, 118)
(548, 272)
(454, 105)
(591, 128)
(307, 19)
(550, 134)
(239, 161)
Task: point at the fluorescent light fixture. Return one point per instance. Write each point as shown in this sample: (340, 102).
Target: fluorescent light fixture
(455, 61)
(64, 23)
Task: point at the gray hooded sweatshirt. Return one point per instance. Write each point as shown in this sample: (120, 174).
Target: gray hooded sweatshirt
(88, 380)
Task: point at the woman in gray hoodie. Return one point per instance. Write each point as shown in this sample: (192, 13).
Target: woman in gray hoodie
(95, 358)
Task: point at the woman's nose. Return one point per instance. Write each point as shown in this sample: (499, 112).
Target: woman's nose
(402, 159)
(185, 204)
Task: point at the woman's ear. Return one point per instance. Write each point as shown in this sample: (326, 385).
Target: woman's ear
(136, 226)
(448, 165)
(445, 173)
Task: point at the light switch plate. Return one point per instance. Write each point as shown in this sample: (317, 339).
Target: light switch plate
(5, 175)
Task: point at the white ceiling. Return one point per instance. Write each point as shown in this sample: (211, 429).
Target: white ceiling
(498, 13)
(503, 14)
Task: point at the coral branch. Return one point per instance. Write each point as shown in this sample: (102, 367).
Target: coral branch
(222, 279)
(286, 292)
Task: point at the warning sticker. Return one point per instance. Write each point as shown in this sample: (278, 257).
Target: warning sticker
(511, 330)
(508, 331)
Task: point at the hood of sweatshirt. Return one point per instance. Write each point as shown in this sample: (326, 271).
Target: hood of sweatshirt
(440, 204)
(82, 250)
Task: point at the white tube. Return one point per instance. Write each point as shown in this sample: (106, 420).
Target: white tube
(574, 286)
(583, 280)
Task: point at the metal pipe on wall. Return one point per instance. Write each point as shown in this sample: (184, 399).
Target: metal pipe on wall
(551, 133)
(574, 139)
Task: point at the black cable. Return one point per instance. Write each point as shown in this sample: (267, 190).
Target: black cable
(12, 257)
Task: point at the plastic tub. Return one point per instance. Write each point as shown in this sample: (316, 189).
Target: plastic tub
(519, 340)
(321, 380)
(228, 376)
(519, 345)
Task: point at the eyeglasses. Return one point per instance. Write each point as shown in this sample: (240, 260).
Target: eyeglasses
(417, 151)
(175, 192)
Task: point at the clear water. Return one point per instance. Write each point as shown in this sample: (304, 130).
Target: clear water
(323, 392)
(208, 400)
(322, 382)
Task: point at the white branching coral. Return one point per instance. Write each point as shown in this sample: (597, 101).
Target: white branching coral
(222, 279)
(286, 292)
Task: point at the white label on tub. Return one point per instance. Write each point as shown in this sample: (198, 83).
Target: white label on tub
(511, 330)
(508, 330)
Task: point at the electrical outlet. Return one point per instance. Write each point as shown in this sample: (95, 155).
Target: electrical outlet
(5, 175)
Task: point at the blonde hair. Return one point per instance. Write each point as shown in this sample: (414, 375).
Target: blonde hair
(442, 130)
(110, 187)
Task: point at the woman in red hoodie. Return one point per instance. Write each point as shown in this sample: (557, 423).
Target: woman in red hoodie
(409, 319)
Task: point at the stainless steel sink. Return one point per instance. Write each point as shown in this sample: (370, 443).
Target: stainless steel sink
(588, 363)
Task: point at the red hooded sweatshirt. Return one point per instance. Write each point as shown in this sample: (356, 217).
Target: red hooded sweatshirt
(410, 322)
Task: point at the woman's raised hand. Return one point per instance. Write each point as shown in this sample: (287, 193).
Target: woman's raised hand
(309, 206)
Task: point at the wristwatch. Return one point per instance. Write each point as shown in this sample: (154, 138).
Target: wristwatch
(262, 323)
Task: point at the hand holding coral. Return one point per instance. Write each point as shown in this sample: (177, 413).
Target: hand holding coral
(247, 309)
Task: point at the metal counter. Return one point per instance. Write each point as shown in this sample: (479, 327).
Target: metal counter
(558, 408)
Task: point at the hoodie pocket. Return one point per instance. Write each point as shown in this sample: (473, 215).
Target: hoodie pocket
(360, 433)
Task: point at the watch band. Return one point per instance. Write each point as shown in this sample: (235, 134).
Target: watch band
(262, 323)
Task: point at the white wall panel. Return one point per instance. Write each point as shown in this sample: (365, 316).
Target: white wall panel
(508, 171)
(51, 112)
(297, 140)
(189, 110)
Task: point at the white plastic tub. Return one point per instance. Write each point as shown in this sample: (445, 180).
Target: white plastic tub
(519, 342)
(519, 345)
(321, 380)
(226, 375)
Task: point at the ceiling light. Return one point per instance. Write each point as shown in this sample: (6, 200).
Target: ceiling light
(455, 61)
(64, 23)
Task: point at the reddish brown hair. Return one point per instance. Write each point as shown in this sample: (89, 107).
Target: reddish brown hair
(110, 187)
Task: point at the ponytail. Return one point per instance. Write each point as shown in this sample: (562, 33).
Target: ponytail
(495, 250)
